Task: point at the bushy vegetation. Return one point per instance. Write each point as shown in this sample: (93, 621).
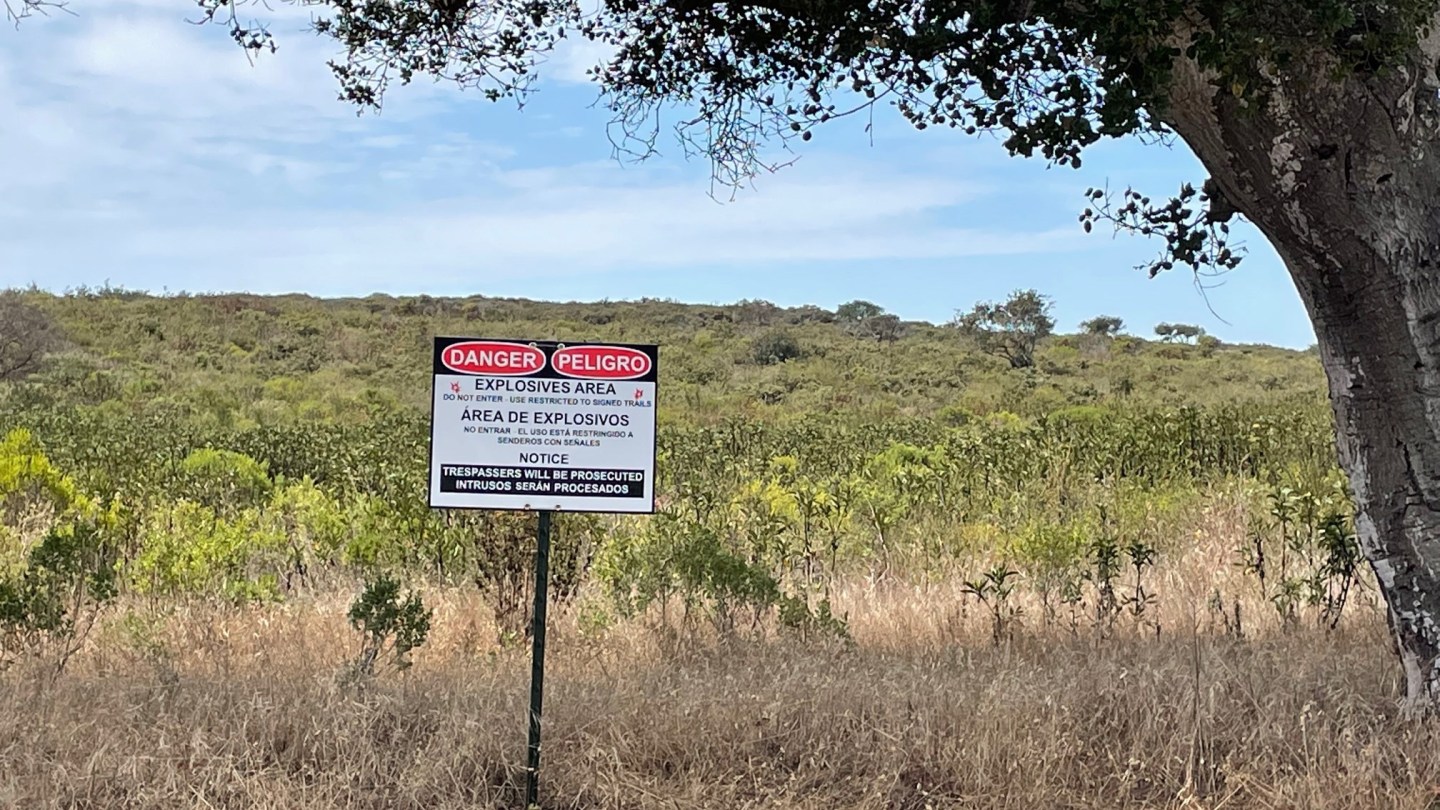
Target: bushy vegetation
(214, 489)
(756, 517)
(245, 449)
(236, 361)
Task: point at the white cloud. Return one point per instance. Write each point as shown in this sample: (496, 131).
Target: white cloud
(574, 56)
(140, 148)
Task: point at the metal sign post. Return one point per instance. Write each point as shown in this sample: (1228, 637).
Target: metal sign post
(537, 659)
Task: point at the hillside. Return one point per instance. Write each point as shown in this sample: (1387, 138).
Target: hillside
(864, 586)
(241, 360)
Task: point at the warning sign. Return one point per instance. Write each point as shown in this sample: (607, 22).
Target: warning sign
(543, 425)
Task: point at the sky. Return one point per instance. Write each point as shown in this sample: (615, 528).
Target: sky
(143, 151)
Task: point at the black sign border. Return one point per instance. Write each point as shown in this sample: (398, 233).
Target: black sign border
(549, 347)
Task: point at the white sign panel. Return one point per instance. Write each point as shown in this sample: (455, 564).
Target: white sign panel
(543, 425)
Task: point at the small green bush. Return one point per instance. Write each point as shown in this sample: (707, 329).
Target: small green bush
(773, 347)
(48, 607)
(391, 625)
(224, 480)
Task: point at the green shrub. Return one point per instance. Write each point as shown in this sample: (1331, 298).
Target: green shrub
(314, 525)
(674, 557)
(391, 625)
(48, 607)
(797, 616)
(777, 346)
(33, 491)
(224, 480)
(955, 416)
(188, 550)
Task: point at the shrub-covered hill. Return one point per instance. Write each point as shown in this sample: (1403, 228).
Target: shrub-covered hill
(239, 360)
(255, 449)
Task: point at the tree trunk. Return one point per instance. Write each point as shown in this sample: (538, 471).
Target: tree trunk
(1343, 177)
(1378, 342)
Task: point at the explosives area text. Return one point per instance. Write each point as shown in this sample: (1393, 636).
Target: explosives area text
(545, 386)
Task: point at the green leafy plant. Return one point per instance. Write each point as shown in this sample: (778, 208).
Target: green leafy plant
(224, 480)
(678, 558)
(773, 347)
(796, 616)
(391, 625)
(1339, 570)
(1052, 557)
(48, 608)
(1139, 600)
(1011, 329)
(1104, 570)
(994, 589)
(189, 550)
(1303, 552)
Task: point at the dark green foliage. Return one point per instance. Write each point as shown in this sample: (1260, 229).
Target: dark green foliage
(48, 606)
(1178, 331)
(778, 346)
(1054, 75)
(1338, 571)
(1103, 569)
(1011, 329)
(993, 589)
(1139, 599)
(1049, 77)
(856, 312)
(1104, 325)
(391, 625)
(1304, 553)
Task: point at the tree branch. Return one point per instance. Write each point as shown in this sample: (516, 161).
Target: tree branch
(17, 10)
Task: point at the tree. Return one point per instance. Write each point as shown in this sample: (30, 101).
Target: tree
(1103, 325)
(1317, 120)
(27, 335)
(809, 313)
(775, 346)
(1178, 331)
(756, 312)
(885, 328)
(857, 312)
(1012, 329)
(1188, 332)
(868, 320)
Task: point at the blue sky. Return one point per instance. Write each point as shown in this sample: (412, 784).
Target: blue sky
(138, 149)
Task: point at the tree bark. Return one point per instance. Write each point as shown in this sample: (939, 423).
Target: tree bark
(1343, 177)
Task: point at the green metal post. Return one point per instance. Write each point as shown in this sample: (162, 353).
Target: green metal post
(537, 659)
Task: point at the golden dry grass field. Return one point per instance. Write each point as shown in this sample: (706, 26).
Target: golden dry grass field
(204, 706)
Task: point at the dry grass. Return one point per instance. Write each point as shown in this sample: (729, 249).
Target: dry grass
(229, 708)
